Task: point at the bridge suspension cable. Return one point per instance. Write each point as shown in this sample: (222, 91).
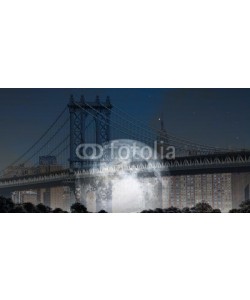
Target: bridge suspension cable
(151, 134)
(50, 139)
(147, 138)
(41, 137)
(171, 137)
(40, 143)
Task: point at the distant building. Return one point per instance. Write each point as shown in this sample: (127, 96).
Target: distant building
(188, 190)
(247, 198)
(162, 139)
(19, 171)
(56, 197)
(48, 164)
(25, 196)
(240, 188)
(47, 160)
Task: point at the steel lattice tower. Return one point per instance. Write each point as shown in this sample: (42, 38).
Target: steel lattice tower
(79, 111)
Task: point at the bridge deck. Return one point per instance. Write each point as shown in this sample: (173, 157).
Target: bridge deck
(204, 164)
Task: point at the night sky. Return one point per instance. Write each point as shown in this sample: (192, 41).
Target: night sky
(218, 117)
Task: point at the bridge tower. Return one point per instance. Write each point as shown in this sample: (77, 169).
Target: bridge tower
(79, 110)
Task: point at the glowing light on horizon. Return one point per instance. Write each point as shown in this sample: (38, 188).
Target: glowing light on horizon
(127, 195)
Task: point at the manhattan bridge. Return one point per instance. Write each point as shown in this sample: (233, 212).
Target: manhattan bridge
(52, 161)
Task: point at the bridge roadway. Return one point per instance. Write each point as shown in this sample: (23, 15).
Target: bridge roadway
(236, 162)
